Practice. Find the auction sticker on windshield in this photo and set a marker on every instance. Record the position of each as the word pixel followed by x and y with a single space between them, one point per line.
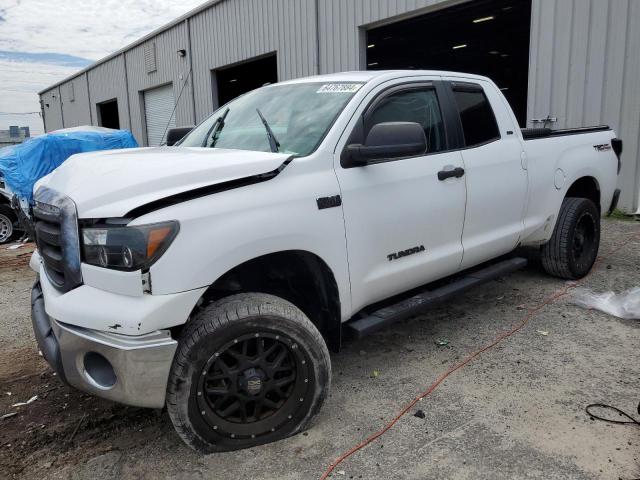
pixel 339 88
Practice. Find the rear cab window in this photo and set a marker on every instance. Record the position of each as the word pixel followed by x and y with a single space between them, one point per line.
pixel 477 118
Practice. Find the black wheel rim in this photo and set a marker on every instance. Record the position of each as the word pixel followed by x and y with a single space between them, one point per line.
pixel 253 385
pixel 584 237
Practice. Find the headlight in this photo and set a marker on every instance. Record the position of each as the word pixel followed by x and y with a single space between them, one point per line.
pixel 127 248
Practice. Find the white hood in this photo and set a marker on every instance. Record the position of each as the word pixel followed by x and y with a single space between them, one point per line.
pixel 111 183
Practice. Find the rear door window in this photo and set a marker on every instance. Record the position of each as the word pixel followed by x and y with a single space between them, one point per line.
pixel 476 115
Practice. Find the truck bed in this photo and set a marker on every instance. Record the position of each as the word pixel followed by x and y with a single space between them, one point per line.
pixel 536 133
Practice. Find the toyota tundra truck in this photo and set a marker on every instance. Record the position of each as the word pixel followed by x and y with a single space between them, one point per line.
pixel 213 276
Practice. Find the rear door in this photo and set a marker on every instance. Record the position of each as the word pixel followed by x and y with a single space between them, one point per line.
pixel 496 175
pixel 403 224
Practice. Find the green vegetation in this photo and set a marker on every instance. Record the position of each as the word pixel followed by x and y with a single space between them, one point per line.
pixel 618 214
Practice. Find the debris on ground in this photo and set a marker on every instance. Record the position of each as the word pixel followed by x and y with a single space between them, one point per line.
pixel 419 414
pixel 22 404
pixel 625 305
pixel 73 435
pixel 442 342
pixel 543 332
pixel 28 450
pixel 375 373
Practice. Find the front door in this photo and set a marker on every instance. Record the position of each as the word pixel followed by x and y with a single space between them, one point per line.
pixel 403 224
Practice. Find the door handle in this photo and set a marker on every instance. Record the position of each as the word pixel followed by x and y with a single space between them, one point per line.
pixel 456 172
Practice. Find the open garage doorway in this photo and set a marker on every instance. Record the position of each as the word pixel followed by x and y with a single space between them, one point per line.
pixel 108 114
pixel 487 37
pixel 238 79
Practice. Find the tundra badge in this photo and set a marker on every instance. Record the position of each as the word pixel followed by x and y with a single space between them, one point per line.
pixel 404 253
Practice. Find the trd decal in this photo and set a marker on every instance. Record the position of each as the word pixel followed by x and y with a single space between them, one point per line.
pixel 405 253
pixel 602 147
pixel 329 202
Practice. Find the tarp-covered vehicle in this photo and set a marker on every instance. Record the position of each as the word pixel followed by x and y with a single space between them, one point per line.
pixel 21 166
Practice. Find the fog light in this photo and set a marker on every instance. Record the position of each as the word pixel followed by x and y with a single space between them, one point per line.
pixel 99 370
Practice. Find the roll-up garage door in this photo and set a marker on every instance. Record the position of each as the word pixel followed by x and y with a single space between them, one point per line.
pixel 158 110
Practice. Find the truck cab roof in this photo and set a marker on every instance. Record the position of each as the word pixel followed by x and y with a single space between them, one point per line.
pixel 381 75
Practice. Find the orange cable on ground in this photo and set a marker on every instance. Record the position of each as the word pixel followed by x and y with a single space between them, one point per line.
pixel 548 301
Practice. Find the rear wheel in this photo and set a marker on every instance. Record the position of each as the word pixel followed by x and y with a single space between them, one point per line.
pixel 573 247
pixel 7 220
pixel 249 369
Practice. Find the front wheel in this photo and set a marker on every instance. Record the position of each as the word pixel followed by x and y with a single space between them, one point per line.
pixel 7 220
pixel 573 247
pixel 249 369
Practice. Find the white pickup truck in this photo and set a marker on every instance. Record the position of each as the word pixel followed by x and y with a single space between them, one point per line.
pixel 214 276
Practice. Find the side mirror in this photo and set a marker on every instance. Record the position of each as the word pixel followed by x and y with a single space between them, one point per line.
pixel 174 135
pixel 388 140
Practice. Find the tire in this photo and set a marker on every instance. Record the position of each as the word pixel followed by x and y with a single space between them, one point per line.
pixel 220 397
pixel 573 247
pixel 7 221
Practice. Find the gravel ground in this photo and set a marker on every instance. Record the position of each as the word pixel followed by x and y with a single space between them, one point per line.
pixel 517 411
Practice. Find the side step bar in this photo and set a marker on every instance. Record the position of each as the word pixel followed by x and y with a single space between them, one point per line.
pixel 411 306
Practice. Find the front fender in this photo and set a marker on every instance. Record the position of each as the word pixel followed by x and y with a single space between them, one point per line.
pixel 222 231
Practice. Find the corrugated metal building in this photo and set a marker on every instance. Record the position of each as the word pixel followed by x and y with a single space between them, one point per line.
pixel 583 63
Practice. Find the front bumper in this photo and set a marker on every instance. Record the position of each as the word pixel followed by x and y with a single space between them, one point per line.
pixel 128 369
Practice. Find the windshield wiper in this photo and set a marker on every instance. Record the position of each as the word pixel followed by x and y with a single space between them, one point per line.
pixel 274 144
pixel 215 129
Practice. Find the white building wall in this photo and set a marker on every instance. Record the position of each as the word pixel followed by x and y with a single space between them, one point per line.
pixel 74 103
pixel 342 24
pixel 108 81
pixel 233 31
pixel 584 60
pixel 51 109
pixel 584 69
pixel 170 68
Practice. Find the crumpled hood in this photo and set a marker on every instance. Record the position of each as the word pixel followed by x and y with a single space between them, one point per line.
pixel 112 183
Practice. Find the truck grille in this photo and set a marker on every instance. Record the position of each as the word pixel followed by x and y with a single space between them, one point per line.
pixel 56 227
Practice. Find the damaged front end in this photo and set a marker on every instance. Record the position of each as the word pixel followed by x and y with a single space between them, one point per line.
pixel 128 369
pixel 115 342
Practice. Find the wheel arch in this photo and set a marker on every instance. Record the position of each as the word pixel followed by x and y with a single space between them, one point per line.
pixel 586 187
pixel 299 276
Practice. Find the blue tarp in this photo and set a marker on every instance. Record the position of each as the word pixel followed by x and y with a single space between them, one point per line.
pixel 24 164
